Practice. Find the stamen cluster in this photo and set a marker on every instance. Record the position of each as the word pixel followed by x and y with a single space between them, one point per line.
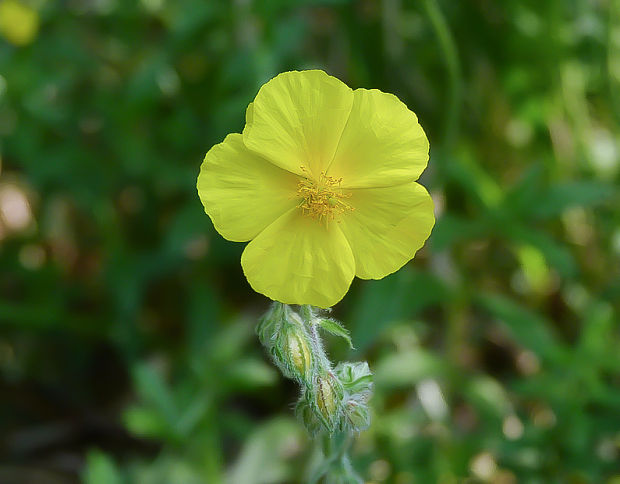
pixel 322 199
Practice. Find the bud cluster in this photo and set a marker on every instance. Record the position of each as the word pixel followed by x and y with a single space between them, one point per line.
pixel 332 399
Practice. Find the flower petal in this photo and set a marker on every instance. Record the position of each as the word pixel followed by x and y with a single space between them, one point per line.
pixel 297 118
pixel 387 227
pixel 298 260
pixel 382 145
pixel 241 191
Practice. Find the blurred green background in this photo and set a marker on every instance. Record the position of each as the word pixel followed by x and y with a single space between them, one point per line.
pixel 127 346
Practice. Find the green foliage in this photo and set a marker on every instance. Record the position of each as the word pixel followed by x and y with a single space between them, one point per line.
pixel 128 351
pixel 101 470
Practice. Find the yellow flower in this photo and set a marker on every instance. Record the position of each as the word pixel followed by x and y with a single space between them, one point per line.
pixel 18 22
pixel 322 184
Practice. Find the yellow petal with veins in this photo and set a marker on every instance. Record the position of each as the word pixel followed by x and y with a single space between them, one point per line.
pixel 297 118
pixel 386 227
pixel 297 260
pixel 382 145
pixel 241 191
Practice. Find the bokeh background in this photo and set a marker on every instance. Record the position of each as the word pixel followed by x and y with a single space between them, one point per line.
pixel 127 345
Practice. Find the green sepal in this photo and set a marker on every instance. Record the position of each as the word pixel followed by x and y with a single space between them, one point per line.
pixel 355 377
pixel 269 324
pixel 356 414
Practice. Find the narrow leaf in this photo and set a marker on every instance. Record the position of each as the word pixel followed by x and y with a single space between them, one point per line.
pixel 334 327
pixel 574 194
pixel 527 327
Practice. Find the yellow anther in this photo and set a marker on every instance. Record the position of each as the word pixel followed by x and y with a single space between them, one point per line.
pixel 323 198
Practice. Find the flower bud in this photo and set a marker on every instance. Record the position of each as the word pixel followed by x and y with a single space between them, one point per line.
pixel 328 394
pixel 308 416
pixel 292 353
pixel 291 348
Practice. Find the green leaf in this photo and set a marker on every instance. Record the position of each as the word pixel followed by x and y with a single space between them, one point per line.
pixel 154 390
pixel 192 415
pixel 563 196
pixel 266 454
pixel 395 297
pixel 406 368
pixel 488 396
pixel 526 192
pixel 145 422
pixel 556 254
pixel 250 373
pixel 451 229
pixel 528 328
pixel 101 469
pixel 475 180
pixel 597 343
pixel 334 327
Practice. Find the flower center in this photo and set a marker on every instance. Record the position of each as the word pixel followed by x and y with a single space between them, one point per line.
pixel 322 199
